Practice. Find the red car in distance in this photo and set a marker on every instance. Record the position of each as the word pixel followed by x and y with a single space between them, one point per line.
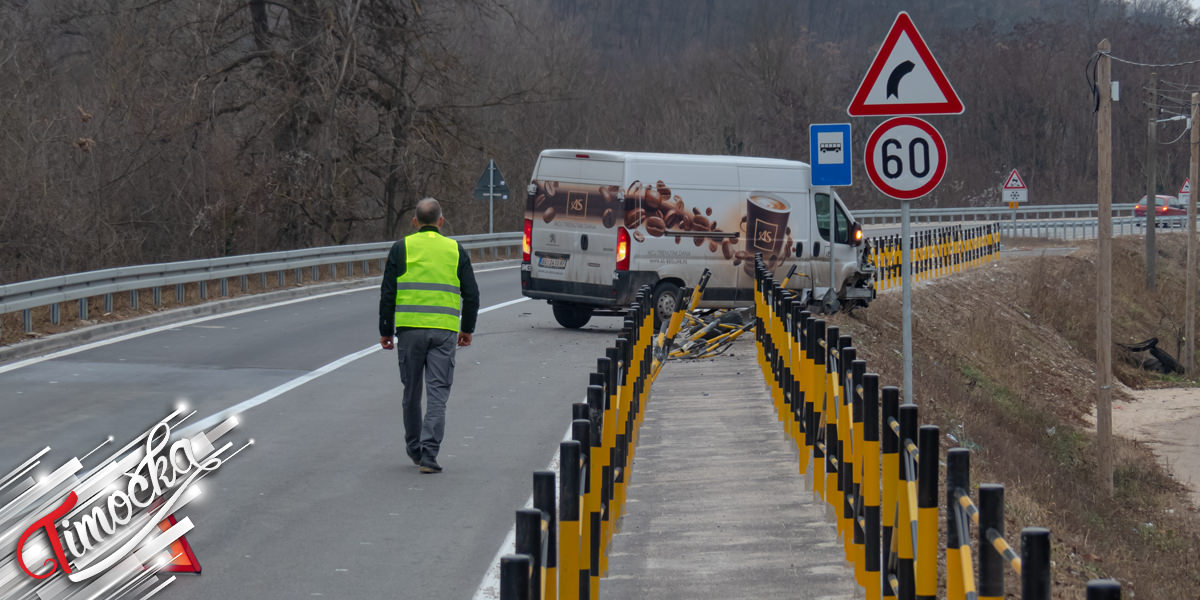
pixel 1164 205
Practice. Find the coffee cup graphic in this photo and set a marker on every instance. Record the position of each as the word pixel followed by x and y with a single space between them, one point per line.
pixel 766 224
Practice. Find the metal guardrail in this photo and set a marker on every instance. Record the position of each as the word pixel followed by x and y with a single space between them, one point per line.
pixel 990 213
pixel 51 291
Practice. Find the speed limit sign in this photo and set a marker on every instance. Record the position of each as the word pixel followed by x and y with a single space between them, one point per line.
pixel 906 158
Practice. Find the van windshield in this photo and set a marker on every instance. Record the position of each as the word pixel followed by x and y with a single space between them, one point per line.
pixel 841 221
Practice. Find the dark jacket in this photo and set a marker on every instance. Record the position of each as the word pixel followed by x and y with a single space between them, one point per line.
pixel 397 263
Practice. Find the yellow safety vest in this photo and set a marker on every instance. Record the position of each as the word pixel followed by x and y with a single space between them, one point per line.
pixel 427 294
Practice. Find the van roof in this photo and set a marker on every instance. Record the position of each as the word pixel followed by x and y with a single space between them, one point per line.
pixel 697 159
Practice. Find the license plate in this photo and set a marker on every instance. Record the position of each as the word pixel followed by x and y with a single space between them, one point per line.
pixel 553 261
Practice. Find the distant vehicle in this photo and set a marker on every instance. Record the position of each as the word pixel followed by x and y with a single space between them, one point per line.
pixel 1164 205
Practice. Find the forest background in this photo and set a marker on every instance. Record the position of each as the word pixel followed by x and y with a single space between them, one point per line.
pixel 139 131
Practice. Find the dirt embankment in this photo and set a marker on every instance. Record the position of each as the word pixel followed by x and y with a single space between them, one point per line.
pixel 1004 364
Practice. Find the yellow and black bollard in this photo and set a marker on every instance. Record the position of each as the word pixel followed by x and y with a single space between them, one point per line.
pixel 581 431
pixel 889 445
pixel 819 442
pixel 927 513
pixel 906 522
pixel 528 542
pixel 568 520
pixel 872 562
pixel 1035 563
pixel 514 577
pixel 991 526
pixel 960 576
pixel 543 500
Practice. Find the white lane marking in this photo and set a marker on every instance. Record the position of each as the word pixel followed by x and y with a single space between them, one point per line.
pixel 137 334
pixel 489 586
pixel 288 386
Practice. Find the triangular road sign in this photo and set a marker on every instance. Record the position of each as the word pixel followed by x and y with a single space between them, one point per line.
pixel 904 78
pixel 1014 181
pixel 183 560
pixel 1187 187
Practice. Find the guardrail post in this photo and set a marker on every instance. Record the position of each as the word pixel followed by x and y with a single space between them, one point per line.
pixel 333 270
pixel 203 290
pixel 299 273
pixel 157 293
pixel 245 281
pixel 543 500
pixel 927 513
pixel 279 277
pixel 1035 563
pixel 108 303
pixel 316 272
pixel 958 480
pixel 991 563
pixel 1103 589
pixel 27 320
pixel 224 287
pixel 83 306
pixel 529 543
pixel 514 577
pixel 180 293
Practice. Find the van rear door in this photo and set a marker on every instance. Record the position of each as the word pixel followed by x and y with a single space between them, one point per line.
pixel 575 212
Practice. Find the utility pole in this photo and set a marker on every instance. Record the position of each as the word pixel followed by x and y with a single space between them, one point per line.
pixel 1151 188
pixel 1104 441
pixel 1189 346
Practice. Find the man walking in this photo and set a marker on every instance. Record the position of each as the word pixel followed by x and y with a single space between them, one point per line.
pixel 430 301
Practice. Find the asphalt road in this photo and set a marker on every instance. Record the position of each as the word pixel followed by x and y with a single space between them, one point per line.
pixel 326 503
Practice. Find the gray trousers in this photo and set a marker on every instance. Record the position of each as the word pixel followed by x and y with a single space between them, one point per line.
pixel 426 356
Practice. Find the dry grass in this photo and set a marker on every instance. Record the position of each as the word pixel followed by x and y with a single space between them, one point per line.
pixel 1004 361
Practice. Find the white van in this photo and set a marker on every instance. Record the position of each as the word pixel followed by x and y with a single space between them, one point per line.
pixel 599 225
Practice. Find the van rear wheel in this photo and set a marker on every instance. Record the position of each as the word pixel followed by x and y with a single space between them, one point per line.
pixel 571 316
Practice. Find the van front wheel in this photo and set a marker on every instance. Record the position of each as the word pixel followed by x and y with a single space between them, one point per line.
pixel 571 316
pixel 666 301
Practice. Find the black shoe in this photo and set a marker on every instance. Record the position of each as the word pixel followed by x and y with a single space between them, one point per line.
pixel 429 465
pixel 414 456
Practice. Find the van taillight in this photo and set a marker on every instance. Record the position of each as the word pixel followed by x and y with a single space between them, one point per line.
pixel 622 249
pixel 527 240
pixel 856 234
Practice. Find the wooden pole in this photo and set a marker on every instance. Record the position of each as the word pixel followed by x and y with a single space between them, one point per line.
pixel 1151 187
pixel 1189 353
pixel 1104 442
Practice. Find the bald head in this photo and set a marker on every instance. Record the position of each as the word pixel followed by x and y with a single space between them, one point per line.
pixel 428 212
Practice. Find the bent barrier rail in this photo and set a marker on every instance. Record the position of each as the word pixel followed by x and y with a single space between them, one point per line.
pixel 561 551
pixel 51 291
pixel 935 253
pixel 878 470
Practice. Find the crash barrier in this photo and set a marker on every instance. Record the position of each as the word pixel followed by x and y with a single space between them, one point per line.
pixel 879 471
pixel 935 253
pixel 561 551
pixel 52 291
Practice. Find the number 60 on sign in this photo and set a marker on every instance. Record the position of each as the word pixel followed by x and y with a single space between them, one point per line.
pixel 905 158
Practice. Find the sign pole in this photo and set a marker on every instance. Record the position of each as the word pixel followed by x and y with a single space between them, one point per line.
pixel 1189 354
pixel 906 286
pixel 491 191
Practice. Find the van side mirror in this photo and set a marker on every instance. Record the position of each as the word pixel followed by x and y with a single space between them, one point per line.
pixel 799 249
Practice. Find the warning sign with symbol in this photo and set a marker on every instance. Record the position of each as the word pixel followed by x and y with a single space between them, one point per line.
pixel 1185 191
pixel 904 78
pixel 1015 191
